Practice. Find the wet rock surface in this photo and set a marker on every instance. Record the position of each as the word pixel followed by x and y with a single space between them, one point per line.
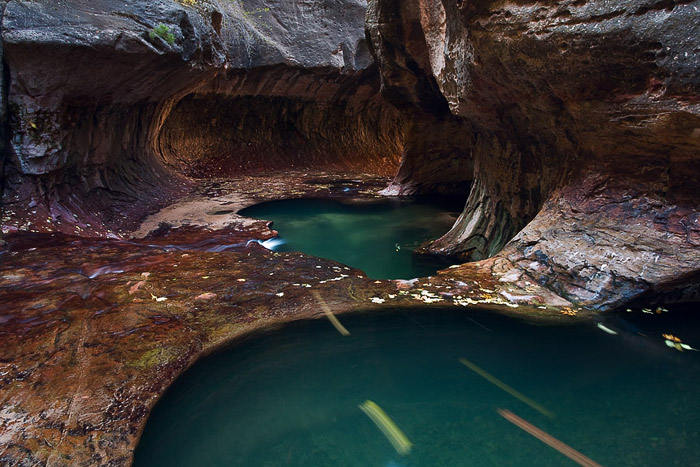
pixel 573 123
pixel 582 118
pixel 94 330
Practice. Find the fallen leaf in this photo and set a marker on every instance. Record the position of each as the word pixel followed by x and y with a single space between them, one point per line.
pixel 158 299
pixel 134 288
pixel 205 296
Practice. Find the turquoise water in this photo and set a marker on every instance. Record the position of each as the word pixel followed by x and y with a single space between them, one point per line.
pixel 290 398
pixel 378 238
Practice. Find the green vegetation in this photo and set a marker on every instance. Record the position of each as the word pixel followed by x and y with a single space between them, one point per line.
pixel 163 32
pixel 257 13
pixel 156 357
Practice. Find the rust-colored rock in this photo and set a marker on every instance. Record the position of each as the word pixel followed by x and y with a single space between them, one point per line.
pixel 577 120
pixel 94 330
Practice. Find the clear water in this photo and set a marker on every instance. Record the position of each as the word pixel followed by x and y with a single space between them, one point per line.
pixel 378 238
pixel 290 398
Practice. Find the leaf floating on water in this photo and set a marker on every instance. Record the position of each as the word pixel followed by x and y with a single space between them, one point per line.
pixel 675 343
pixel 387 426
pixel 548 439
pixel 671 337
pixel 329 314
pixel 606 329
pixel 500 384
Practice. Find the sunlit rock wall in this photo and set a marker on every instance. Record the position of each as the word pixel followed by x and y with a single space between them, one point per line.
pixel 341 125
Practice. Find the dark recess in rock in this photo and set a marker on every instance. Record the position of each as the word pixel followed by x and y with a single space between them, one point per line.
pixel 353 129
pixel 95 141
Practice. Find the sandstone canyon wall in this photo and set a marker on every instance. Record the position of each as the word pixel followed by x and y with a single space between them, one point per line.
pixel 578 120
pixel 105 115
pixel 583 120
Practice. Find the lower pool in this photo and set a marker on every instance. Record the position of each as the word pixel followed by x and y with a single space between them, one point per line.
pixel 378 238
pixel 447 380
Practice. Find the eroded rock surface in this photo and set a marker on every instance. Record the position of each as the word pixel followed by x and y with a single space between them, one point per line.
pixel 94 330
pixel 102 128
pixel 584 117
pixel 578 120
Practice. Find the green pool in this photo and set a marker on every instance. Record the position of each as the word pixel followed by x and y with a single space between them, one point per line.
pixel 292 397
pixel 378 238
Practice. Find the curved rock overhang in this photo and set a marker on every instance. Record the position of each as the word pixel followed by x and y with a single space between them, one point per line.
pixel 579 120
pixel 584 119
pixel 280 118
pixel 106 115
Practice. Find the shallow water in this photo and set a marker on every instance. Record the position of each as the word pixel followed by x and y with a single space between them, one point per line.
pixel 291 397
pixel 378 238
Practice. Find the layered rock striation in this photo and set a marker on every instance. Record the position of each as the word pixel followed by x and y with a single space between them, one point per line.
pixel 578 121
pixel 110 103
pixel 583 119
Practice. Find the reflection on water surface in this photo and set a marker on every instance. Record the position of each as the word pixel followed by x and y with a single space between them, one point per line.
pixel 378 238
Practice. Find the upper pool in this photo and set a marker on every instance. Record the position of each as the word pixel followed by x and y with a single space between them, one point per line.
pixel 378 238
pixel 457 386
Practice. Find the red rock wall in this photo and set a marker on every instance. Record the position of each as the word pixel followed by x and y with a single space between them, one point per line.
pixel 317 121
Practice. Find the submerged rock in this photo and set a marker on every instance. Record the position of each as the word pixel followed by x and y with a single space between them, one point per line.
pixel 94 330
